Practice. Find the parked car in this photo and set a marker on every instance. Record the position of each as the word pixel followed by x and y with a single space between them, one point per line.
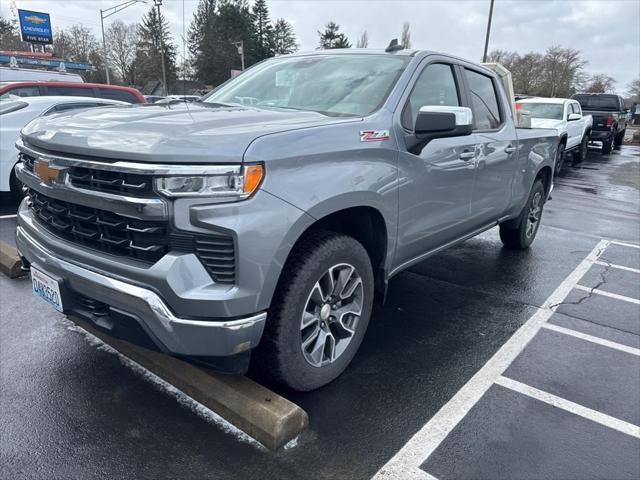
pixel 16 112
pixel 609 118
pixel 566 117
pixel 97 90
pixel 9 74
pixel 216 230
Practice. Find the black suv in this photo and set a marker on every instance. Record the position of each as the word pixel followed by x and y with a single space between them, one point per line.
pixel 609 117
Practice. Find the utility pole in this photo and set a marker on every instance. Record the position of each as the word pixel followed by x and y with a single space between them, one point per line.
pixel 486 40
pixel 240 46
pixel 107 12
pixel 164 72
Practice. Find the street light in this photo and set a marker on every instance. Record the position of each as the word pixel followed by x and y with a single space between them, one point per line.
pixel 240 46
pixel 106 13
pixel 486 40
pixel 164 72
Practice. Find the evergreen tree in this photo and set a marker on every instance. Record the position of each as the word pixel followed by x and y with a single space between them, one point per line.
pixel 263 47
pixel 332 38
pixel 200 39
pixel 153 34
pixel 283 40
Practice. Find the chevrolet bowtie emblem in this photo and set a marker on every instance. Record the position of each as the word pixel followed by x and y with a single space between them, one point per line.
pixel 44 172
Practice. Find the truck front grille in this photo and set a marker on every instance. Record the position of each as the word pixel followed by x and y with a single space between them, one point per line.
pixel 108 181
pixel 102 230
pixel 140 239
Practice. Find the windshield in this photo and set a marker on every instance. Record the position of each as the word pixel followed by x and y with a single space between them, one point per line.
pixel 598 102
pixel 340 85
pixel 552 111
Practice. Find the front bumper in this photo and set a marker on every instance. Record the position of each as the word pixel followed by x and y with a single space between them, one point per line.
pixel 120 303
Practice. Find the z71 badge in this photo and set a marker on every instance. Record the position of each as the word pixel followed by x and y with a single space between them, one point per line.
pixel 373 135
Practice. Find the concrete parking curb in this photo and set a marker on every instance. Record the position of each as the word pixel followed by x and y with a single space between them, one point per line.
pixel 10 261
pixel 262 414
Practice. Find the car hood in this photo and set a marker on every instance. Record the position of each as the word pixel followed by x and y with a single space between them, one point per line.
pixel 166 134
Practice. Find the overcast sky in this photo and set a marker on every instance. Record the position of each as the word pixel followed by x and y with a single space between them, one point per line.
pixel 606 31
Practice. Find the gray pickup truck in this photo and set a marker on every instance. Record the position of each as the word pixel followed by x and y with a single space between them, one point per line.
pixel 261 223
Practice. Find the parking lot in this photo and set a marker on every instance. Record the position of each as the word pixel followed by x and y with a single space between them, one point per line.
pixel 483 363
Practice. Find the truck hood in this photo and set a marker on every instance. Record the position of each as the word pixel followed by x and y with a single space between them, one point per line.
pixel 546 123
pixel 177 133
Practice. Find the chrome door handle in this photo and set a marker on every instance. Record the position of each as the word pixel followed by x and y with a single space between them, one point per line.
pixel 509 149
pixel 467 155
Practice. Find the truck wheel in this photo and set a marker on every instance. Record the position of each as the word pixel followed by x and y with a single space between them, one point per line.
pixel 580 154
pixel 619 139
pixel 559 159
pixel 521 234
pixel 607 145
pixel 319 314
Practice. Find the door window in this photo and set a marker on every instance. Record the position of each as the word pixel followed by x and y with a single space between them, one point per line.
pixel 484 101
pixel 576 108
pixel 114 94
pixel 435 86
pixel 73 91
pixel 23 92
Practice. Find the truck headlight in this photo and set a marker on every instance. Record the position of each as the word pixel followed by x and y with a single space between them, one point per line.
pixel 232 183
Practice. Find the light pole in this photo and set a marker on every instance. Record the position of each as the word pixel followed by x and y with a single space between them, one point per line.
pixel 106 13
pixel 164 72
pixel 240 46
pixel 486 40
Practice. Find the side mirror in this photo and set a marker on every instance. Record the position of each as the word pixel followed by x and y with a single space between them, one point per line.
pixel 439 121
pixel 573 116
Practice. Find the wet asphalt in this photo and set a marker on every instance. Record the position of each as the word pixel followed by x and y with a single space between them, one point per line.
pixel 71 410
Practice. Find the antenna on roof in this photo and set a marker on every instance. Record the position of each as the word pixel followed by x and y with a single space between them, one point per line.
pixel 394 46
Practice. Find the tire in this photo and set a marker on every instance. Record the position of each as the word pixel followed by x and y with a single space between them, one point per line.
pixel 519 235
pixel 301 299
pixel 580 154
pixel 619 139
pixel 607 145
pixel 559 159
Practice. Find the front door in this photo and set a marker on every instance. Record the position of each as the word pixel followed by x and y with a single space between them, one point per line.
pixel 436 181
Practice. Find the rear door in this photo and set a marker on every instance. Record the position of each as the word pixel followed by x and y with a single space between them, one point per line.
pixel 574 127
pixel 497 147
pixel 435 181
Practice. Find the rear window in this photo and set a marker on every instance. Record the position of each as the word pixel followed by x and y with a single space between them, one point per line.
pixel 66 91
pixel 598 102
pixel 22 92
pixel 122 95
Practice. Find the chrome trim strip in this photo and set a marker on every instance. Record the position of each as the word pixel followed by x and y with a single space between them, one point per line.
pixel 130 167
pixel 133 207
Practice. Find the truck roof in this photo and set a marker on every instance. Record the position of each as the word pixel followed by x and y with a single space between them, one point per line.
pixel 544 100
pixel 364 51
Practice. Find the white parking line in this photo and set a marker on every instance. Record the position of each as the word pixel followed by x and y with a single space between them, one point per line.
pixel 2 217
pixel 619 267
pixel 597 291
pixel 575 408
pixel 592 339
pixel 405 464
pixel 625 244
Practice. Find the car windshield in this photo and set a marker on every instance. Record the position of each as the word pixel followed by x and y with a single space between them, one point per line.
pixel 552 111
pixel 598 102
pixel 338 85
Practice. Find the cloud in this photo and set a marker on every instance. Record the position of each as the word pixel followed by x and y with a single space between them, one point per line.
pixel 607 32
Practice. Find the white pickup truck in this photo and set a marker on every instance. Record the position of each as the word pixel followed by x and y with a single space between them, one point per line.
pixel 565 115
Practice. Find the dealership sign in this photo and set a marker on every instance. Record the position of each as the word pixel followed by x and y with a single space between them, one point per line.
pixel 35 27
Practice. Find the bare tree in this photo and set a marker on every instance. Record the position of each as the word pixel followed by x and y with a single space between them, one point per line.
pixel 600 83
pixel 563 71
pixel 121 42
pixel 634 90
pixel 406 35
pixel 363 41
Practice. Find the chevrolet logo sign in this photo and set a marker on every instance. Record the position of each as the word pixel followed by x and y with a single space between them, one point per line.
pixel 44 172
pixel 35 19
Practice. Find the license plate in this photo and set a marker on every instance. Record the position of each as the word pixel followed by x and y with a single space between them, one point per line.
pixel 47 288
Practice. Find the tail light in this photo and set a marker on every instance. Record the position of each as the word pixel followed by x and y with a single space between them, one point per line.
pixel 609 121
pixel 518 106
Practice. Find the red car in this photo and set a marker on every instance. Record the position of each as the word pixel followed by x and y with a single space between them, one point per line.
pixel 96 90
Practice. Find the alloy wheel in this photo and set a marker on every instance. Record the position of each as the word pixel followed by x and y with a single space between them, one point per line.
pixel 331 314
pixel 535 212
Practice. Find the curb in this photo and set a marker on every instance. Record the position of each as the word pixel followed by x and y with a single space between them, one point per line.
pixel 262 414
pixel 10 261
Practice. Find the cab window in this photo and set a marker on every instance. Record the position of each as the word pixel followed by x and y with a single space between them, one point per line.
pixel 484 101
pixel 73 91
pixel 23 92
pixel 436 85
